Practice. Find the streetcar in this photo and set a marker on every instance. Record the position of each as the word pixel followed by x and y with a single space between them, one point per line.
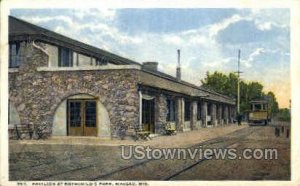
pixel 260 113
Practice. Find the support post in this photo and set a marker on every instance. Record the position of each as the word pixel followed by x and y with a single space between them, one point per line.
pixel 226 114
pixel 214 114
pixel 179 114
pixel 194 115
pixel 204 113
pixel 220 110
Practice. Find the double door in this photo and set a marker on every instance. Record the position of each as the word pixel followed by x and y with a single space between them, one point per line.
pixel 82 118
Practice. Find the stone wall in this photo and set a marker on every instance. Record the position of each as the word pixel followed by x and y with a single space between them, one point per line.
pixel 161 113
pixel 37 94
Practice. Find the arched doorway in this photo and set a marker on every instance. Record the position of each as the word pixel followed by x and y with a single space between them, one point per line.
pixel 81 115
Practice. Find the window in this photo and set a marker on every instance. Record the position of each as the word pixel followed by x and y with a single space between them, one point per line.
pixel 187 111
pixel 266 107
pixel 14 55
pixel 65 57
pixel 90 113
pixel 102 61
pixel 199 110
pixel 171 110
pixel 75 114
pixel 257 107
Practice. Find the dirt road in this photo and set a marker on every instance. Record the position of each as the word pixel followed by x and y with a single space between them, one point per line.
pixel 80 162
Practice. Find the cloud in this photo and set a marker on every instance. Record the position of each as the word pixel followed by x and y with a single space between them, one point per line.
pixel 252 57
pixel 216 28
pixel 218 64
pixel 45 19
pixel 173 39
pixel 276 17
pixel 262 36
pixel 104 14
pixel 264 26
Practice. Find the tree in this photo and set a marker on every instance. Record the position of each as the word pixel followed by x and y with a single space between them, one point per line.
pixel 284 115
pixel 227 85
pixel 216 82
pixel 273 102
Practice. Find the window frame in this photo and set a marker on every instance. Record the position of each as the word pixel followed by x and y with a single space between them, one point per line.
pixel 14 59
pixel 62 63
pixel 101 61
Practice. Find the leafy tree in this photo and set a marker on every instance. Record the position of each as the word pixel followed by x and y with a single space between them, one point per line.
pixel 273 102
pixel 227 85
pixel 216 81
pixel 284 115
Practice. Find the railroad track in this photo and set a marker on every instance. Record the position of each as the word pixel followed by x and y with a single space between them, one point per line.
pixel 219 140
pixel 209 142
pixel 143 163
pixel 177 173
pixel 186 168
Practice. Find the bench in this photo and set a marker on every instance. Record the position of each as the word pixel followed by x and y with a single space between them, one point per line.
pixel 142 134
pixel 20 131
pixel 170 128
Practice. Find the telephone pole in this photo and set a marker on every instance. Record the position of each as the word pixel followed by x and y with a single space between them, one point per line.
pixel 238 83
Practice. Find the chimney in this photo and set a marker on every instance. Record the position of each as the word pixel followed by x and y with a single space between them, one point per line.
pixel 150 65
pixel 178 69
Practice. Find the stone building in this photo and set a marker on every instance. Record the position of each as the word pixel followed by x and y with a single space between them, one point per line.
pixel 64 87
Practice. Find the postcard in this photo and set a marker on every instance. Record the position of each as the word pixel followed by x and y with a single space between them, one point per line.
pixel 98 93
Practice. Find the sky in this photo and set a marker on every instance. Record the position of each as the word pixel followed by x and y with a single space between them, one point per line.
pixel 209 39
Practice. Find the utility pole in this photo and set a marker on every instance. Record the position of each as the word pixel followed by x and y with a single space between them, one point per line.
pixel 238 83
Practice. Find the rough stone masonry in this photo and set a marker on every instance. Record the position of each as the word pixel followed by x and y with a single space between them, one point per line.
pixel 37 94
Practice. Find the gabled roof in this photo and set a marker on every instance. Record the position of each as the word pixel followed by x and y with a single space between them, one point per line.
pixel 20 30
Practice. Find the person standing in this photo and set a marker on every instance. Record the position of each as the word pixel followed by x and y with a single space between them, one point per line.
pixel 239 118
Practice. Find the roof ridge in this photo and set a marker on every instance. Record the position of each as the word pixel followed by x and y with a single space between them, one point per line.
pixel 46 32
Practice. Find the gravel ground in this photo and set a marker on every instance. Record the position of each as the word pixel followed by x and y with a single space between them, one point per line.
pixel 248 169
pixel 89 159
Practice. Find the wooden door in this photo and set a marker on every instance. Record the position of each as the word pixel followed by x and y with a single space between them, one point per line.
pixel 82 118
pixel 148 115
pixel 75 118
pixel 90 118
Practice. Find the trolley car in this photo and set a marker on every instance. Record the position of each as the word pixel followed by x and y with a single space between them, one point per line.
pixel 260 113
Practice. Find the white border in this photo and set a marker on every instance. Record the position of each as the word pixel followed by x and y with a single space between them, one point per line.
pixel 293 5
